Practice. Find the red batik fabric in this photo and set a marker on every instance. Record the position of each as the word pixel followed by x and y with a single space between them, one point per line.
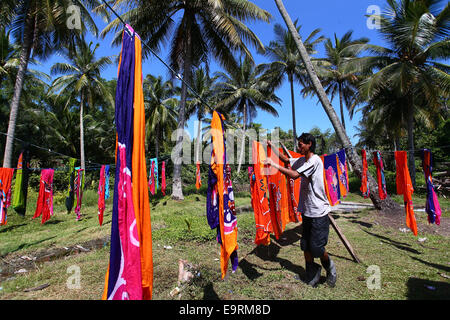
pixel 260 201
pixel 365 190
pixel 6 175
pixel 405 187
pixel 44 205
pixel 163 178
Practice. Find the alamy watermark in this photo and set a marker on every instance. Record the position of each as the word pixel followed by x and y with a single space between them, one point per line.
pixel 74 280
pixel 74 19
pixel 373 20
pixel 373 282
pixel 238 145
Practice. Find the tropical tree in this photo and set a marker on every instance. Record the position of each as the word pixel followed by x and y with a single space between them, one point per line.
pixel 205 28
pixel 353 157
pixel 81 77
pixel 160 110
pixel 287 61
pixel 417 34
pixel 41 28
pixel 337 75
pixel 201 103
pixel 245 90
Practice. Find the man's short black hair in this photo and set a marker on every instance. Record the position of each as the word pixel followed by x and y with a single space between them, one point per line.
pixel 307 138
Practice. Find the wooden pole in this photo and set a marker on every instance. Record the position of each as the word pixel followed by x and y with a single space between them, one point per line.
pixel 343 239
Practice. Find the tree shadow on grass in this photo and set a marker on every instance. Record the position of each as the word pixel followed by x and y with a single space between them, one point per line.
pixel 400 245
pixel 26 245
pixel 6 229
pixel 352 219
pixel 433 265
pixel 421 289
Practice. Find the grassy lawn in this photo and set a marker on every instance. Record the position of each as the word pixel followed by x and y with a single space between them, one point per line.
pixel 408 268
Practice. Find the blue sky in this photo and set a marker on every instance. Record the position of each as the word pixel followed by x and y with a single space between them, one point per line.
pixel 331 16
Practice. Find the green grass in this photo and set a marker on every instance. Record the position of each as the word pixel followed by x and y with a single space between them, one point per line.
pixel 408 267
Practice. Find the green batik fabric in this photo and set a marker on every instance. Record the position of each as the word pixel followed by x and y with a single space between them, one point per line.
pixel 70 199
pixel 19 199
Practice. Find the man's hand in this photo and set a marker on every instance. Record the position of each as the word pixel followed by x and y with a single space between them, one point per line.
pixel 268 162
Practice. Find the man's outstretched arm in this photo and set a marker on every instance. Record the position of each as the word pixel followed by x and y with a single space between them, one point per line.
pixel 288 172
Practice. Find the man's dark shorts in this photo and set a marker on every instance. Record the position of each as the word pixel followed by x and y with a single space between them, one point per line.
pixel 315 235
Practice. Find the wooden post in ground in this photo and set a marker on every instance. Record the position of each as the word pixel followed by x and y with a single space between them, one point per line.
pixel 333 223
pixel 343 239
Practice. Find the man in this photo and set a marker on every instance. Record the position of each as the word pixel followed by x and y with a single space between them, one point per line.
pixel 314 206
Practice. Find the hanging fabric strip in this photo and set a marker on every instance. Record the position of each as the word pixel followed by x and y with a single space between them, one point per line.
pixel 285 199
pixel 330 166
pixel 432 206
pixel 163 178
pixel 78 189
pixel 378 161
pixel 342 173
pixel 198 178
pixel 365 190
pixel 139 178
pixel 404 187
pixel 154 176
pixel 274 187
pixel 19 201
pixel 44 205
pixel 70 190
pixel 151 180
pixel 294 188
pixel 101 195
pixel 260 200
pixel 124 279
pixel 219 212
pixel 6 175
pixel 107 182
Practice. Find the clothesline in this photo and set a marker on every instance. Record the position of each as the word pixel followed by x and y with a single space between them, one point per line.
pixel 94 167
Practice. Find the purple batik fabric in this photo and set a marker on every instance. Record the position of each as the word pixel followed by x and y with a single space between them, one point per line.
pixel 124 126
pixel 432 206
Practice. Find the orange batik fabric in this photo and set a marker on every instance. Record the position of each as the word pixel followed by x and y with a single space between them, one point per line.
pixel 260 201
pixel 405 187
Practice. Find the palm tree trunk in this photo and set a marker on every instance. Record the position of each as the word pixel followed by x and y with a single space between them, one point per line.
pixel 388 204
pixel 294 132
pixel 411 163
pixel 241 154
pixel 14 111
pixel 157 141
pixel 83 160
pixel 177 191
pixel 341 104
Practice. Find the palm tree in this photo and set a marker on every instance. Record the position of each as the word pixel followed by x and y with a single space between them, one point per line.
pixel 40 26
pixel 81 77
pixel 354 159
pixel 244 90
pixel 417 36
pixel 337 75
pixel 205 27
pixel 287 61
pixel 202 103
pixel 160 109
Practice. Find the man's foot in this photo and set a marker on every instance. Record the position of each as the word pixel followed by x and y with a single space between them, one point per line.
pixel 312 273
pixel 331 274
